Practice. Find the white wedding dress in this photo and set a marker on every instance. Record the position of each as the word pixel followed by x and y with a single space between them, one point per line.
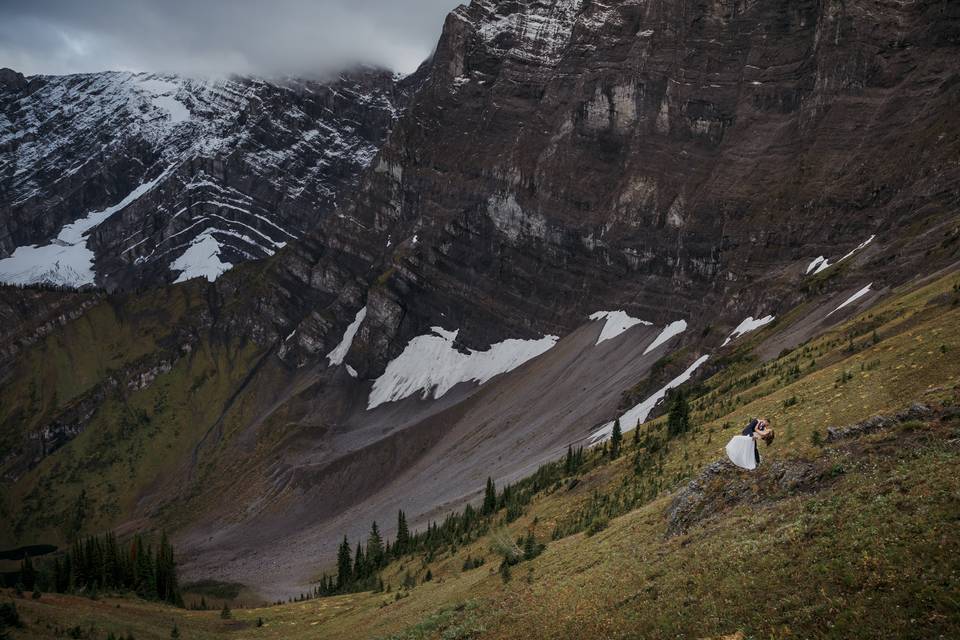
pixel 740 450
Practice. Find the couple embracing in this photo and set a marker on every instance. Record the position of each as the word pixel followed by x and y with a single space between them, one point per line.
pixel 742 449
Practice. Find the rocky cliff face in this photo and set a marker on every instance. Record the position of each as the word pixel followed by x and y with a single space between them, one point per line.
pixel 697 167
pixel 668 158
pixel 136 179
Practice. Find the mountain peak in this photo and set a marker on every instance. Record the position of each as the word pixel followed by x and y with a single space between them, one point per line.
pixel 11 79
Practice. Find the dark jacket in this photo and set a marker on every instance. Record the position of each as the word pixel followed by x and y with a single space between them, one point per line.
pixel 748 431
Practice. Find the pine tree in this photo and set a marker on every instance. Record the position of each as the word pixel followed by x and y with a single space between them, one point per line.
pixel 143 580
pixel 375 548
pixel 344 566
pixel 490 498
pixel 568 461
pixel 402 544
pixel 616 439
pixel 678 421
pixel 225 612
pixel 359 564
pixel 529 547
pixel 636 435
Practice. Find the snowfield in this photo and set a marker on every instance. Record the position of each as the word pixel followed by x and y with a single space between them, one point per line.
pixel 201 259
pixel 852 299
pixel 162 94
pixel 66 260
pixel 671 330
pixel 616 323
pixel 748 325
pixel 432 364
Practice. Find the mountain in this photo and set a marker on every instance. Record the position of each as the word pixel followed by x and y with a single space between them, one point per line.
pixel 132 179
pixel 849 516
pixel 581 206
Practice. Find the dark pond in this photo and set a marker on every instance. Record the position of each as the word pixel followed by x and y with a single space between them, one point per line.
pixel 32 550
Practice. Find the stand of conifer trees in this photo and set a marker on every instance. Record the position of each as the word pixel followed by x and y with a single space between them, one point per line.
pixel 102 564
pixel 359 570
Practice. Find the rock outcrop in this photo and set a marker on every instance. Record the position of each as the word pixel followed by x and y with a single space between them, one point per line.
pixel 916 411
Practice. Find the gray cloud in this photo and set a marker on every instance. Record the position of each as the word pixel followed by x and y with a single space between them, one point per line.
pixel 217 36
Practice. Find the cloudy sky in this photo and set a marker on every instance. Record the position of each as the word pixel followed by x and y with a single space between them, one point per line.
pixel 265 37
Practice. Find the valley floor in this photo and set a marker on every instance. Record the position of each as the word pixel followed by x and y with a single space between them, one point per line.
pixel 862 544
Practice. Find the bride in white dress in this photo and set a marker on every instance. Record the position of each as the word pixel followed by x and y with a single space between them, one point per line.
pixel 742 449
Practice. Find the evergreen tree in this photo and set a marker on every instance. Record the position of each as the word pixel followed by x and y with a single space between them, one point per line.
pixel 375 548
pixel 568 461
pixel 529 546
pixel 143 580
pixel 402 543
pixel 344 566
pixel 225 612
pixel 616 439
pixel 165 574
pixel 489 498
pixel 636 435
pixel 678 420
pixel 359 564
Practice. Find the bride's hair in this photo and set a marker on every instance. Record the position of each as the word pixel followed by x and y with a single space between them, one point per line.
pixel 768 437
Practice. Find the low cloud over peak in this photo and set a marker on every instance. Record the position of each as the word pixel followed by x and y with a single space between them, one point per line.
pixel 281 37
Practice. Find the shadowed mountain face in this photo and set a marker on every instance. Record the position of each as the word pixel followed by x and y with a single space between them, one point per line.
pixel 670 159
pixel 699 167
pixel 138 179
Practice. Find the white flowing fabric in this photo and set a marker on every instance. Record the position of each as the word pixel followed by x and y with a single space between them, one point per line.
pixel 740 451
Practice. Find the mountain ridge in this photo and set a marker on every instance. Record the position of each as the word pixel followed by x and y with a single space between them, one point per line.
pixel 231 168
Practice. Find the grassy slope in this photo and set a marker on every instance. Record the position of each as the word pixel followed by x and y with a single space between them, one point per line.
pixel 872 554
pixel 137 437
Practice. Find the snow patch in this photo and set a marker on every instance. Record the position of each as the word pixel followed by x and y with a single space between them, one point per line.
pixel 638 414
pixel 747 326
pixel 673 329
pixel 432 363
pixel 201 259
pixel 161 94
pixel 340 351
pixel 66 260
pixel 820 263
pixel 616 323
pixel 540 31
pixel 857 248
pixel 852 299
